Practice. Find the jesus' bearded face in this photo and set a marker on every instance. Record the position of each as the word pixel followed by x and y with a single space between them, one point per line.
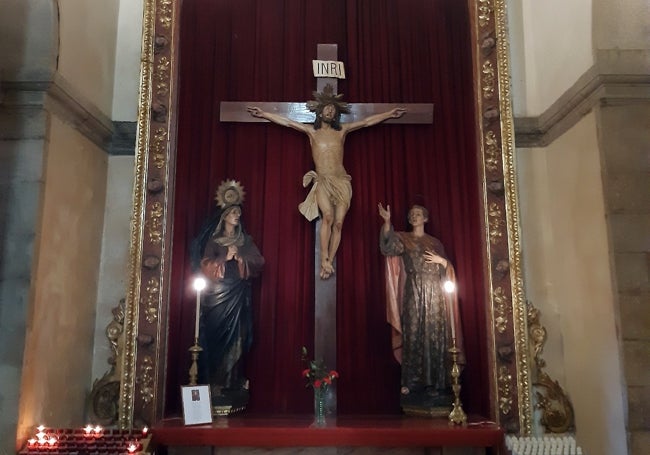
pixel 329 113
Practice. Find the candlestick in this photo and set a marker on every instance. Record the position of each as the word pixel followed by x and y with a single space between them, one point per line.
pixel 457 416
pixel 199 285
pixel 194 368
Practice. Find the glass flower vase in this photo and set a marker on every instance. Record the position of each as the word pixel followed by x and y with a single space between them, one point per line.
pixel 319 406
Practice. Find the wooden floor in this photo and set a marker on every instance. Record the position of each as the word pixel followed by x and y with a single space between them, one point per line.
pixel 298 431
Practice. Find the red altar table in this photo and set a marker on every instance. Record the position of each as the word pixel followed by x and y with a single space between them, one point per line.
pixel 343 431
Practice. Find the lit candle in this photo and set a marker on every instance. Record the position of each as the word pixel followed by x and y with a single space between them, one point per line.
pixel 199 285
pixel 41 436
pixel 132 448
pixel 145 430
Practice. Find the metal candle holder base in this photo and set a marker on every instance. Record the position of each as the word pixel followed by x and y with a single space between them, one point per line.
pixel 457 416
pixel 194 368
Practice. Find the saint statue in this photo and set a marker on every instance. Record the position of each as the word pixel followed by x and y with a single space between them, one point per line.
pixel 331 190
pixel 423 316
pixel 229 259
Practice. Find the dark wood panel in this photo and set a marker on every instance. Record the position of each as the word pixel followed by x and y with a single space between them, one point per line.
pixel 235 111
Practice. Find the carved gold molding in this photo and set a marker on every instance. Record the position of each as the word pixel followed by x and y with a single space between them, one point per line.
pixel 511 388
pixel 159 146
pixel 146 312
pixel 557 415
pixel 487 71
pixel 149 303
pixel 103 402
pixel 135 259
pixel 512 217
pixel 484 12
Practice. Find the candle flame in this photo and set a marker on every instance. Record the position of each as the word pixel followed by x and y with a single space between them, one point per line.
pixel 449 286
pixel 199 284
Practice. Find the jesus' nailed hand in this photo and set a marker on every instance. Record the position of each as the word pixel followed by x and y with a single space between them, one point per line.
pixel 331 190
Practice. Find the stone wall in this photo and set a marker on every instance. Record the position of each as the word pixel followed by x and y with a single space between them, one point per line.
pixel 615 93
pixel 625 149
pixel 22 149
pixel 24 63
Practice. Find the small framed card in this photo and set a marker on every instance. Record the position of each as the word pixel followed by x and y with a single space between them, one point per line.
pixel 197 407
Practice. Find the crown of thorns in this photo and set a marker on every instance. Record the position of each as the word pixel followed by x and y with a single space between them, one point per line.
pixel 327 97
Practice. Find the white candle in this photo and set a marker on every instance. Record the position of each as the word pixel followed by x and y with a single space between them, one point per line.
pixel 449 288
pixel 199 285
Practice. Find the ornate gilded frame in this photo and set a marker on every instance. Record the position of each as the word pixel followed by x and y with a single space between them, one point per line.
pixel 142 382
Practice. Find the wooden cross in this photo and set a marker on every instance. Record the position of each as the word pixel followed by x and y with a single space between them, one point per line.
pixel 235 111
pixel 325 292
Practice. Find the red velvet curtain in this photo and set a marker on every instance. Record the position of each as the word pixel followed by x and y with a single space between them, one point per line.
pixel 397 51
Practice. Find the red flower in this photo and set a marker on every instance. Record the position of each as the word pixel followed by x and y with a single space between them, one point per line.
pixel 317 374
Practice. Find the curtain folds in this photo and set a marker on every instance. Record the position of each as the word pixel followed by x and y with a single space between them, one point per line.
pixel 397 51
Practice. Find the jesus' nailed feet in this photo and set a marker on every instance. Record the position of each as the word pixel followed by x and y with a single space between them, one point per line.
pixel 326 269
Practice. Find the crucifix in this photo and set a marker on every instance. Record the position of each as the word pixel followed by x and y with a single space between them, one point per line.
pixel 331 190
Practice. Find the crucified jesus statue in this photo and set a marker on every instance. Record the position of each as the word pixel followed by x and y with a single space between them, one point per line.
pixel 331 190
